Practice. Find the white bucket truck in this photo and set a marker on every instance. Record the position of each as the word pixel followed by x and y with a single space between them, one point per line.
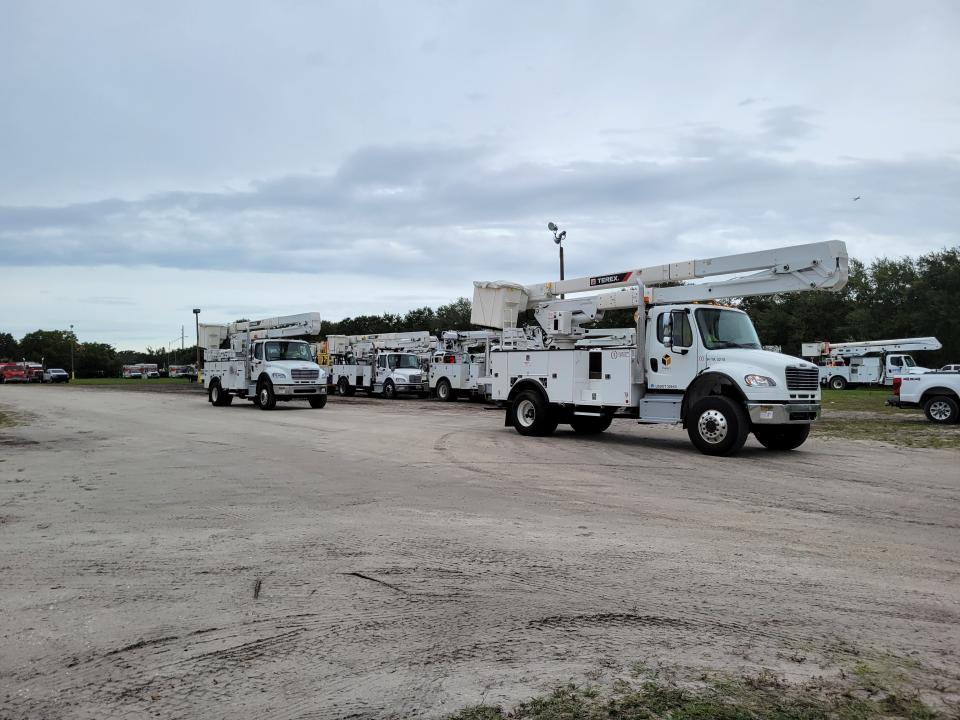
pixel 700 365
pixel 387 363
pixel 872 362
pixel 264 362
pixel 459 366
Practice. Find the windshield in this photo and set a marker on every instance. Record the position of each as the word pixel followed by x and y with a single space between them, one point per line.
pixel 721 328
pixel 287 350
pixel 403 361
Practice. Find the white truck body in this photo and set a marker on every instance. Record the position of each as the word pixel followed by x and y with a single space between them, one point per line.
pixel 699 365
pixel 870 362
pixel 385 363
pixel 140 370
pixel 459 367
pixel 936 392
pixel 182 371
pixel 264 364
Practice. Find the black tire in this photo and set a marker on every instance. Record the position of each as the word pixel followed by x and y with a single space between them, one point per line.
pixel 532 415
pixel 445 391
pixel 941 409
pixel 585 425
pixel 838 382
pixel 781 437
pixel 343 387
pixel 718 425
pixel 389 390
pixel 215 394
pixel 318 402
pixel 266 400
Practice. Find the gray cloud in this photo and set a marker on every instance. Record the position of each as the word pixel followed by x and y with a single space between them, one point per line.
pixel 418 210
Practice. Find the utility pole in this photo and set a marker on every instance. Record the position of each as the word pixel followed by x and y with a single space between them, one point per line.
pixel 196 315
pixel 72 374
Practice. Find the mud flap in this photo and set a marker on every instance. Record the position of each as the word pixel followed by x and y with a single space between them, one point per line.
pixel 508 416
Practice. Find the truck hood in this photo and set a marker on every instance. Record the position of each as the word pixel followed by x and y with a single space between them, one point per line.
pixel 287 365
pixel 405 373
pixel 740 362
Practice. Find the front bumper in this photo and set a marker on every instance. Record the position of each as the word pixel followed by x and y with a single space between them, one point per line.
pixel 299 390
pixel 412 388
pixel 783 413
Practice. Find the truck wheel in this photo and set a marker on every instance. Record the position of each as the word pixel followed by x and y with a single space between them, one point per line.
pixel 343 387
pixel 838 383
pixel 318 402
pixel 941 409
pixel 585 425
pixel 444 391
pixel 266 400
pixel 215 394
pixel 389 391
pixel 718 425
pixel 781 437
pixel 532 415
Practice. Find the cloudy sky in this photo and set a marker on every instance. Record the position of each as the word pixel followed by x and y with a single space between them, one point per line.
pixel 254 159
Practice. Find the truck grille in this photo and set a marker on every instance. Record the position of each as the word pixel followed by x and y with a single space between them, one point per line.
pixel 301 374
pixel 803 378
pixel 416 379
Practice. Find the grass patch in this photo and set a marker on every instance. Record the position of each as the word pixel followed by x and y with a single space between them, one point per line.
pixel 761 697
pixel 12 418
pixel 907 432
pixel 131 382
pixel 8 419
pixel 862 415
pixel 858 400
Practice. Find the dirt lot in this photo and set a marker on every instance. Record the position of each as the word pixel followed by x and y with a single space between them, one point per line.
pixel 164 558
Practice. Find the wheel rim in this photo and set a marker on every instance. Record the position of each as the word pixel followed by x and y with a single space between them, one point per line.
pixel 388 390
pixel 215 394
pixel 940 410
pixel 443 391
pixel 264 396
pixel 526 413
pixel 712 426
pixel 837 383
pixel 342 386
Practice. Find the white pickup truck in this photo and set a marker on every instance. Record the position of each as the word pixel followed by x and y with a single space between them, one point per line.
pixel 938 393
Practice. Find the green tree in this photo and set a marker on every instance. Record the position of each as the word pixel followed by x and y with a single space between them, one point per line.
pixel 9 347
pixel 454 316
pixel 97 360
pixel 52 347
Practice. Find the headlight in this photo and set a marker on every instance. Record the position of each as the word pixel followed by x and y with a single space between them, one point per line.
pixel 760 381
pixel 278 375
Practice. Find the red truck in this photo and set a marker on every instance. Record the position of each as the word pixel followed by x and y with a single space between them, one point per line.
pixel 11 372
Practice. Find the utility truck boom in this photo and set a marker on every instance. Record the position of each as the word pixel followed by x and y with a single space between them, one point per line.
pixel 701 365
pixel 263 363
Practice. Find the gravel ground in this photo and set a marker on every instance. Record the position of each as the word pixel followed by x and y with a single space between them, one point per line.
pixel 165 558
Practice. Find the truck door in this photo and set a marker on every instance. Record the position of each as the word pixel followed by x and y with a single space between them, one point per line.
pixel 383 372
pixel 672 350
pixel 256 362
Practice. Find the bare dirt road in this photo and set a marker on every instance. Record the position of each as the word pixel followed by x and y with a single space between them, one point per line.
pixel 164 558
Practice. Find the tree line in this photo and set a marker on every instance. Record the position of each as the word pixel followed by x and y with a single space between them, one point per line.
pixel 906 297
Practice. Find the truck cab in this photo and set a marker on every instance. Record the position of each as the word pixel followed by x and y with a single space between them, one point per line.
pixel 398 372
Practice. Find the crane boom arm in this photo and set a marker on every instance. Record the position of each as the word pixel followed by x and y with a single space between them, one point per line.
pixel 794 268
pixel 853 349
pixel 797 268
